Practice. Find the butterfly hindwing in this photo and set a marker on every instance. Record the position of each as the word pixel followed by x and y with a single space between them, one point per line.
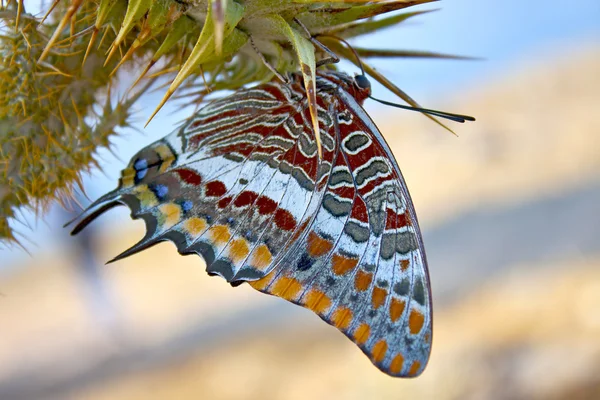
pixel 236 184
pixel 361 265
pixel 399 313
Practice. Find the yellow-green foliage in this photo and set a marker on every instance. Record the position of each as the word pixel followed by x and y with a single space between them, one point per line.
pixel 55 105
pixel 48 131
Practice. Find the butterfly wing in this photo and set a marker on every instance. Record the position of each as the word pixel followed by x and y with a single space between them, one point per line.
pixel 236 184
pixel 361 265
pixel 241 185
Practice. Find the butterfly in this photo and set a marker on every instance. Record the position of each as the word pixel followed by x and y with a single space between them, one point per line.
pixel 241 184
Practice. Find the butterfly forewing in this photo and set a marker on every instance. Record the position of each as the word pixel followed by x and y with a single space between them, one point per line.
pixel 241 184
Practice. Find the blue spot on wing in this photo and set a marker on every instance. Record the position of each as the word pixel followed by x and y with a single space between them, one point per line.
pixel 160 191
pixel 141 167
pixel 141 174
pixel 140 163
pixel 186 206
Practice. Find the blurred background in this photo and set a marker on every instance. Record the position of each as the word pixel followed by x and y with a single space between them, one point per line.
pixel 510 212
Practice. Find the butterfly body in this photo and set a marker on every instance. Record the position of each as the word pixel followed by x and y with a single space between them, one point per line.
pixel 241 183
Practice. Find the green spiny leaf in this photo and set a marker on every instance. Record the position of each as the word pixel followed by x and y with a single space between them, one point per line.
pixel 369 26
pixel 204 48
pixel 305 52
pixel 135 10
pixel 317 22
pixel 385 53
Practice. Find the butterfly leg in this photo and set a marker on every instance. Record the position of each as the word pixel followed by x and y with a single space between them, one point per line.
pixel 332 59
pixel 267 64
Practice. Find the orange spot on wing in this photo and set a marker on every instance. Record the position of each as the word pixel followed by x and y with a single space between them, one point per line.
pixel 166 156
pixel 397 364
pixel 379 350
pixel 396 309
pixel 127 181
pixel 195 226
pixel 414 369
pixel 127 177
pixel 317 246
pixel 219 234
pixel 342 317
pixel 427 338
pixel 362 333
pixel 341 264
pixel 415 321
pixel 170 215
pixel 145 196
pixel 363 280
pixel 404 264
pixel 263 282
pixel 317 301
pixel 287 288
pixel 261 257
pixel 378 297
pixel 238 250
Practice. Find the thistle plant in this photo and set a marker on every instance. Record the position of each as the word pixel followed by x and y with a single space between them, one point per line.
pixel 57 71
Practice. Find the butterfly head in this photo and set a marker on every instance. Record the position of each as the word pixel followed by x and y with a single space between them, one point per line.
pixel 360 88
pixel 362 83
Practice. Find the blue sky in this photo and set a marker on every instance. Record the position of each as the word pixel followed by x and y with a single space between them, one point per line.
pixel 500 32
pixel 505 34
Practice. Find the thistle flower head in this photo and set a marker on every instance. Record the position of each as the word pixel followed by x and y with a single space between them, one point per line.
pixel 55 72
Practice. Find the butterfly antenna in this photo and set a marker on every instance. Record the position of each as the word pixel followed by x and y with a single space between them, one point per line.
pixel 453 117
pixel 349 46
pixel 267 63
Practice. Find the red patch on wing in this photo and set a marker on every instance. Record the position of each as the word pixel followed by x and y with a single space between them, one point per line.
pixel 359 211
pixel 189 176
pixel 215 189
pixel 395 221
pixel 265 205
pixel 284 219
pixel 224 202
pixel 245 198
